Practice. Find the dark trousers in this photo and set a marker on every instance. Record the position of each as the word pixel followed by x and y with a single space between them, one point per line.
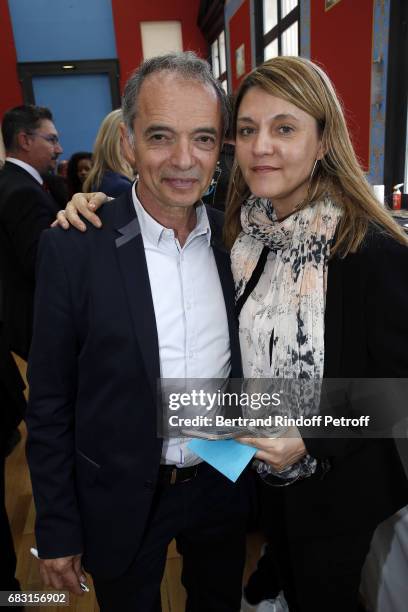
pixel 208 516
pixel 12 405
pixel 316 572
pixel 8 582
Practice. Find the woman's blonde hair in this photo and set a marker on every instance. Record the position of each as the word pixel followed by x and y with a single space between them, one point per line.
pixel 338 174
pixel 107 152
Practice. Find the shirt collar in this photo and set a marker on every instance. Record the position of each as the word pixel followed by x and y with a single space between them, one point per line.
pixel 153 230
pixel 34 173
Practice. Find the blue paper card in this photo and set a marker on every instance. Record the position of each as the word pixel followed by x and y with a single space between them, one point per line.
pixel 227 456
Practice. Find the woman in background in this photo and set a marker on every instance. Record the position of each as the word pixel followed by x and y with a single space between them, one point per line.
pixel 78 169
pixel 111 173
pixel 321 275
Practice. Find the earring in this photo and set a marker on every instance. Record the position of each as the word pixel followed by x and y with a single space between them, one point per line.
pixel 313 169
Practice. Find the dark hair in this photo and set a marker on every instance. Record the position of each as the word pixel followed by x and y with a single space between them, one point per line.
pixel 74 183
pixel 186 64
pixel 24 118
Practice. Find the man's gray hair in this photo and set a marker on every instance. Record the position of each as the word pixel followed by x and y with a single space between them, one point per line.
pixel 185 64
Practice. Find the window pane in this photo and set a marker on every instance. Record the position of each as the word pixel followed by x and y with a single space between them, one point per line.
pixel 290 38
pixel 271 50
pixel 270 14
pixel 223 63
pixel 215 59
pixel 287 6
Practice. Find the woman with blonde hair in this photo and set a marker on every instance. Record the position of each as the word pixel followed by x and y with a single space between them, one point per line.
pixel 321 277
pixel 110 173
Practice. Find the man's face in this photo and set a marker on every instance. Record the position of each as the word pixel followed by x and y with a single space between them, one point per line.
pixel 44 147
pixel 177 137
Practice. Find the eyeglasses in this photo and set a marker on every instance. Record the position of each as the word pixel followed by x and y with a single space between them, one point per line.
pixel 51 138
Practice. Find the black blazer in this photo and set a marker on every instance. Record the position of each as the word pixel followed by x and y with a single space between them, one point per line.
pixel 92 447
pixel 25 210
pixel 366 336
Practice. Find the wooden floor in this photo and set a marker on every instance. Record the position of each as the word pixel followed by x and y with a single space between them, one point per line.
pixel 21 512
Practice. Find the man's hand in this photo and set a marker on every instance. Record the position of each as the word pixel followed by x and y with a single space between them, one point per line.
pixel 85 204
pixel 280 453
pixel 63 573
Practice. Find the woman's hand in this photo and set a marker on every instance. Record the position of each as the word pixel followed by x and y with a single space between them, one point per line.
pixel 280 453
pixel 84 204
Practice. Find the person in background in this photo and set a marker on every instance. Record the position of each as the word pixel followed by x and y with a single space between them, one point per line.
pixel 26 208
pixel 79 167
pixel 62 168
pixel 111 173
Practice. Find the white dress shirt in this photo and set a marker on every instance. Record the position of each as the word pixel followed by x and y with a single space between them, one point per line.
pixel 189 307
pixel 34 173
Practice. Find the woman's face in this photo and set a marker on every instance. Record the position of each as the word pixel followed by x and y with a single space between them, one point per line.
pixel 276 147
pixel 83 168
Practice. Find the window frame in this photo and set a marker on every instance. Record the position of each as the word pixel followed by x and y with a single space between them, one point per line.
pixel 222 76
pixel 263 40
pixel 396 119
pixel 28 70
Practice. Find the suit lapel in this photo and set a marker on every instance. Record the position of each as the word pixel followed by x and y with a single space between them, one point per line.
pixel 135 276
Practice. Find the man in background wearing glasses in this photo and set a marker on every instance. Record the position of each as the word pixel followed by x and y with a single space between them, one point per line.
pixel 26 208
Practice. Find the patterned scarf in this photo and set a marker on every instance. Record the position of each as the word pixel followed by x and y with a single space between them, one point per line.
pixel 300 248
pixel 287 307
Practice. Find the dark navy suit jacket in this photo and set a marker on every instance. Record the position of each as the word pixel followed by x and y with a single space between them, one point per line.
pixel 92 448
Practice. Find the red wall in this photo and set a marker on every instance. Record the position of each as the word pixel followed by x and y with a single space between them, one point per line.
pixel 341 41
pixel 10 87
pixel 127 15
pixel 240 32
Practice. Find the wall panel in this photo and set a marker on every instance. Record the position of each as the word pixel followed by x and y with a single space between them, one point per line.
pixel 127 16
pixel 341 41
pixel 10 92
pixel 239 26
pixel 52 30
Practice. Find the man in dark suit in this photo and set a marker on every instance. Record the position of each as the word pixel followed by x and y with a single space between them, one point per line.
pixel 149 295
pixel 32 147
pixel 26 208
